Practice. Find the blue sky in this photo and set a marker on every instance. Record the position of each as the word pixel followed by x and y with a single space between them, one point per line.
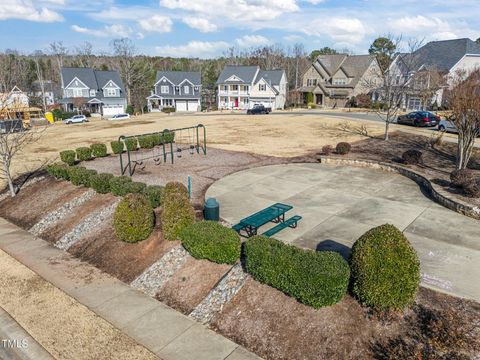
pixel 206 28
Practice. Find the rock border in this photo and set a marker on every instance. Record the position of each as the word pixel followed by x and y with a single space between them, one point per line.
pixel 438 194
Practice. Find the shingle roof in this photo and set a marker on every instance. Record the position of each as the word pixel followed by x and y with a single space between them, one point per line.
pixel 330 63
pixel 245 73
pixel 176 77
pixel 103 77
pixel 272 76
pixel 94 79
pixel 356 65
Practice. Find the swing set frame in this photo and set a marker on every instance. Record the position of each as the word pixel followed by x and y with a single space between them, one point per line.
pixel 166 148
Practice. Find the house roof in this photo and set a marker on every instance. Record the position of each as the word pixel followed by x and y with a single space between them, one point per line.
pixel 275 76
pixel 176 77
pixel 330 63
pixel 94 79
pixel 245 73
pixel 103 77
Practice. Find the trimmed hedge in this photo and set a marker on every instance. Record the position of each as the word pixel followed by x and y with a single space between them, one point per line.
pixel 99 150
pixel 212 241
pixel 131 144
pixel 118 185
pixel 412 157
pixel 68 157
pixel 178 212
pixel 59 171
pixel 315 278
pixel 146 141
pixel 154 195
pixel 101 183
pixel 84 153
pixel 385 269
pixel 79 175
pixel 168 136
pixel 133 219
pixel 117 147
pixel 343 148
pixel 135 187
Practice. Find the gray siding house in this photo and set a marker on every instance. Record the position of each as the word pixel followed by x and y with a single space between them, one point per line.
pixel 176 89
pixel 100 92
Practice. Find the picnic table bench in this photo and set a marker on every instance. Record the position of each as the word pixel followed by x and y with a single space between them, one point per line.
pixel 274 213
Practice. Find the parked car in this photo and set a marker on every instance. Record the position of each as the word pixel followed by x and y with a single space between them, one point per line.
pixel 76 119
pixel 419 118
pixel 11 126
pixel 259 109
pixel 449 126
pixel 120 117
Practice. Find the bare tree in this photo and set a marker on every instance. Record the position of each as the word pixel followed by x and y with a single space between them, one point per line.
pixel 41 81
pixel 464 100
pixel 58 50
pixel 124 51
pixel 12 142
pixel 85 54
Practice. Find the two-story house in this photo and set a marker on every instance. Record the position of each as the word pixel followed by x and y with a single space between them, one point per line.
pixel 43 89
pixel 100 92
pixel 176 89
pixel 435 64
pixel 241 87
pixel 332 80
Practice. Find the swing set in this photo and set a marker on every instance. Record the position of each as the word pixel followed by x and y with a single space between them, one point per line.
pixel 164 144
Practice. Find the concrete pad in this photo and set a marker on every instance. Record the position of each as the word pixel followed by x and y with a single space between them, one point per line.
pixel 241 353
pixel 98 291
pixel 198 343
pixel 236 205
pixel 21 243
pixel 279 189
pixel 158 327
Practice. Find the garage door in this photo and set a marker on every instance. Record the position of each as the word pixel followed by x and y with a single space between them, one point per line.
pixel 109 110
pixel 181 105
pixel 192 105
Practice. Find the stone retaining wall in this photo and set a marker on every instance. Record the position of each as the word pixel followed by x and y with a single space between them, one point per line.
pixel 436 192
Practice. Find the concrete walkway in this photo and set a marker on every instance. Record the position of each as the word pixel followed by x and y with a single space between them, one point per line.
pixel 162 330
pixel 339 204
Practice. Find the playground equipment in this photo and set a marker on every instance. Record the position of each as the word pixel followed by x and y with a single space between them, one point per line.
pixel 165 144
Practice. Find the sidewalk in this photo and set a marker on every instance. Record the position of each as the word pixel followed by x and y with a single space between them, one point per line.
pixel 163 331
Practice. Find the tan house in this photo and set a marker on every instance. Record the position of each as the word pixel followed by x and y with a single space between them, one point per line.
pixel 333 79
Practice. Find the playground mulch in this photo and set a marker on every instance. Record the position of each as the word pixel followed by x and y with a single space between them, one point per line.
pixel 191 284
pixel 37 200
pixel 203 170
pixel 123 260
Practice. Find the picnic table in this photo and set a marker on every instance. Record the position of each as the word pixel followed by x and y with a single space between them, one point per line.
pixel 274 213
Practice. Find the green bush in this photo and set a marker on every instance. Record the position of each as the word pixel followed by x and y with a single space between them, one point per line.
pixel 168 110
pixel 59 171
pixel 212 241
pixel 133 219
pixel 68 157
pixel 167 136
pixel 315 278
pixel 129 110
pixel 385 269
pixel 84 153
pixel 343 148
pixel 146 141
pixel 117 147
pixel 99 150
pixel 135 187
pixel 101 183
pixel 80 176
pixel 157 139
pixel 131 144
pixel 118 185
pixel 177 213
pixel 154 195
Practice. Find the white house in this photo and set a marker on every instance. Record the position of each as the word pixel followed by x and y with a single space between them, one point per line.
pixel 16 98
pixel 241 87
pixel 47 92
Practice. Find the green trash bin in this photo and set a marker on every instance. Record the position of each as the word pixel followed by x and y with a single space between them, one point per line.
pixel 211 210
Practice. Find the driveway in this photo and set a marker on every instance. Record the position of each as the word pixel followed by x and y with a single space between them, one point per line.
pixel 339 204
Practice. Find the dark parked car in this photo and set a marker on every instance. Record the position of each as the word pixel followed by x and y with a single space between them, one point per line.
pixel 419 118
pixel 258 109
pixel 11 126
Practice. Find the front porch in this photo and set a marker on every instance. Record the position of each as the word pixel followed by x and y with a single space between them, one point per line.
pixel 157 103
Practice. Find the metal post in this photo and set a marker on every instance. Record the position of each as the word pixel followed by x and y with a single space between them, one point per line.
pixel 171 150
pixel 164 153
pixel 189 188
pixel 198 142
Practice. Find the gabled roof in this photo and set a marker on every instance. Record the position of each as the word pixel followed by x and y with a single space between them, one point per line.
pixel 331 63
pixel 246 73
pixel 103 77
pixel 275 76
pixel 85 75
pixel 177 77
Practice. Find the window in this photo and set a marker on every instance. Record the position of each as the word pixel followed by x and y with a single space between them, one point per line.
pixel 196 88
pixel 234 88
pixel 92 92
pixel 111 92
pixel 311 82
pixel 341 81
pixel 262 87
pixel 225 87
pixel 186 89
pixel 77 93
pixel 164 89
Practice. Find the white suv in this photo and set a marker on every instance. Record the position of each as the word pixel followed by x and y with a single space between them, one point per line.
pixel 76 119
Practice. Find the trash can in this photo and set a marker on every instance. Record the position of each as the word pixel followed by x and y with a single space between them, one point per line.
pixel 211 210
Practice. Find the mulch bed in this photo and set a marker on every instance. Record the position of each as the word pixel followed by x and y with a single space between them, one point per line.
pixel 191 284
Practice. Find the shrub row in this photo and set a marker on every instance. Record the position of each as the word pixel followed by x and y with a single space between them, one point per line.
pixel 178 212
pixel 83 153
pixel 133 219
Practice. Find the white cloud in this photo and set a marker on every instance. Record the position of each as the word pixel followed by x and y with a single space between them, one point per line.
pixel 252 40
pixel 340 29
pixel 314 2
pixel 107 31
pixel 418 24
pixel 156 23
pixel 200 24
pixel 293 38
pixel 26 10
pixel 201 49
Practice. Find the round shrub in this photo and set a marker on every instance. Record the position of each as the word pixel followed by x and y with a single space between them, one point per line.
pixel 131 144
pixel 343 148
pixel 177 214
pixel 135 187
pixel 385 269
pixel 412 157
pixel 146 141
pixel 59 171
pixel 84 153
pixel 80 176
pixel 133 219
pixel 168 136
pixel 99 150
pixel 212 241
pixel 118 185
pixel 174 188
pixel 327 149
pixel 154 195
pixel 315 278
pixel 117 147
pixel 460 177
pixel 472 188
pixel 101 183
pixel 68 157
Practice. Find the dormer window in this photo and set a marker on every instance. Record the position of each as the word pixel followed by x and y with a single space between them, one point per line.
pixel 340 81
pixel 111 92
pixel 186 89
pixel 164 89
pixel 196 88
pixel 311 82
pixel 92 92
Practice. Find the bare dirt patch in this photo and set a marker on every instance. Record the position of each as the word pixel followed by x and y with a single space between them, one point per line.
pixel 37 200
pixel 191 284
pixel 120 259
pixel 276 326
